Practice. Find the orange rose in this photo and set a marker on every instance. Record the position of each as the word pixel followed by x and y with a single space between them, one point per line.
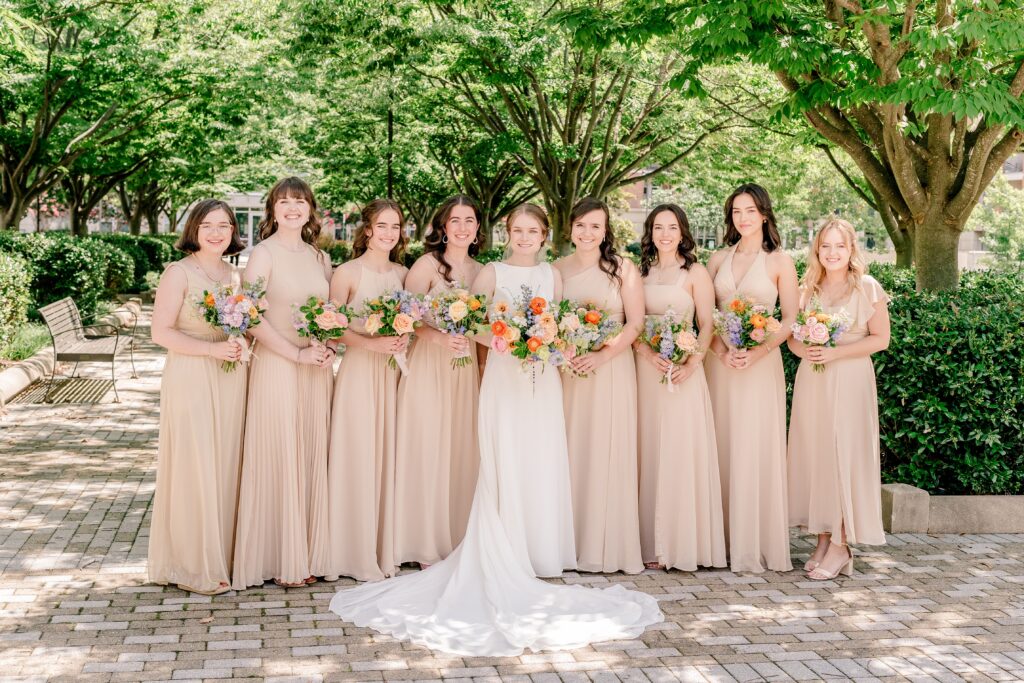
pixel 209 300
pixel 656 340
pixel 474 304
pixel 498 328
pixel 533 343
pixel 737 306
pixel 537 305
pixel 239 297
pixel 758 320
pixel 593 317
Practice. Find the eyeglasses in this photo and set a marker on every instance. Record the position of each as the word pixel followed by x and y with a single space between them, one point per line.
pixel 217 227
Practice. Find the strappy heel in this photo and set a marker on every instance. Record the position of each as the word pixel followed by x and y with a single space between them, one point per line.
pixel 819 574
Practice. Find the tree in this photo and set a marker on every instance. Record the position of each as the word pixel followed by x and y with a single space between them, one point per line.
pixel 925 97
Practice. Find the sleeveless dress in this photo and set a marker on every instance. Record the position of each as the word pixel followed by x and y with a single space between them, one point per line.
pixel 750 421
pixel 202 411
pixel 600 421
pixel 484 599
pixel 681 522
pixel 282 508
pixel 834 467
pixel 361 467
pixel 436 458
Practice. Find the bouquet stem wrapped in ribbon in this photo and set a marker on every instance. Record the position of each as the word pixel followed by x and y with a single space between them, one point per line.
pixel 583 328
pixel 814 327
pixel 234 310
pixel 320 321
pixel 672 339
pixel 394 314
pixel 456 312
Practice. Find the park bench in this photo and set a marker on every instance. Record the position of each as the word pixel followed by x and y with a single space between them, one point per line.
pixel 73 341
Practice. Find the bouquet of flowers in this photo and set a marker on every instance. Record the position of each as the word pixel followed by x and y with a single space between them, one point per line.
pixel 394 314
pixel 528 330
pixel 745 324
pixel 320 320
pixel 583 328
pixel 814 327
pixel 456 312
pixel 234 310
pixel 671 338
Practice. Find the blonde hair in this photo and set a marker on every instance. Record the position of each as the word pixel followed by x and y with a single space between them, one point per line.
pixel 815 273
pixel 534 212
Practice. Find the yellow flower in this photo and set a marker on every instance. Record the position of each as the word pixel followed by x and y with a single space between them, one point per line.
pixel 458 310
pixel 253 312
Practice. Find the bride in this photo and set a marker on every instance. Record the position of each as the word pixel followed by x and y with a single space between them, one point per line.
pixel 484 599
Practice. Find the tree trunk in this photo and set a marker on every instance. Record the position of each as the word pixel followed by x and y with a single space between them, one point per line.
pixel 172 219
pixel 905 254
pixel 79 220
pixel 558 220
pixel 11 213
pixel 135 223
pixel 935 255
pixel 153 219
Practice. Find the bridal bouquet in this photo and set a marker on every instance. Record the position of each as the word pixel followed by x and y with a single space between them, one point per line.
pixel 672 339
pixel 394 314
pixel 234 310
pixel 745 324
pixel 583 328
pixel 814 327
pixel 527 329
pixel 457 312
pixel 321 320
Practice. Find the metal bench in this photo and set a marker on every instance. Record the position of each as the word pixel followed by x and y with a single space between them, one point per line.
pixel 74 342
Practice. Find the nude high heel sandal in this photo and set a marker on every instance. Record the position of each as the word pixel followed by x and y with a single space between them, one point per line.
pixel 819 574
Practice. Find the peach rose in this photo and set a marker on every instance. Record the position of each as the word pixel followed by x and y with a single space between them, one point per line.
pixel 512 335
pixel 373 324
pixel 327 321
pixel 457 311
pixel 404 324
pixel 772 326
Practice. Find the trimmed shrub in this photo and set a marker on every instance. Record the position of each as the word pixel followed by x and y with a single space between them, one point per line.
pixel 339 252
pixel 148 253
pixel 15 296
pixel 119 266
pixel 60 266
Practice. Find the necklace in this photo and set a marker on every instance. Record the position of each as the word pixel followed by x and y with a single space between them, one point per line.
pixel 208 276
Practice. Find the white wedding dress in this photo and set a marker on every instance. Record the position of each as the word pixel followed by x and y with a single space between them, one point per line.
pixel 484 599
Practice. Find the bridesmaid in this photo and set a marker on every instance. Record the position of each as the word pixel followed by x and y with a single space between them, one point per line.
pixel 361 473
pixel 437 455
pixel 282 509
pixel 834 469
pixel 600 409
pixel 681 522
pixel 748 387
pixel 201 413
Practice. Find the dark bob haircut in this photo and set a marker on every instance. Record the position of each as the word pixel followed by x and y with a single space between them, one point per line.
pixel 189 240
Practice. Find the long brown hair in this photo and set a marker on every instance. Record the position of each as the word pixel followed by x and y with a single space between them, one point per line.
pixel 609 262
pixel 770 239
pixel 368 215
pixel 297 188
pixel 436 241
pixel 686 247
pixel 189 240
pixel 533 211
pixel 815 272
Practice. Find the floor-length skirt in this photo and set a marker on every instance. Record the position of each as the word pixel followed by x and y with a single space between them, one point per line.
pixel 361 467
pixel 600 419
pixel 834 468
pixel 436 457
pixel 750 421
pixel 282 509
pixel 202 411
pixel 681 519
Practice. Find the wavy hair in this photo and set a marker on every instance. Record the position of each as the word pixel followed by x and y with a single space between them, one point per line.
pixel 436 241
pixel 686 249
pixel 770 238
pixel 815 273
pixel 368 215
pixel 296 188
pixel 610 262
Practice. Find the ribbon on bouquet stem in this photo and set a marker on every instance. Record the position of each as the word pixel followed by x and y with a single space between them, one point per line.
pixel 245 351
pixel 402 362
pixel 668 378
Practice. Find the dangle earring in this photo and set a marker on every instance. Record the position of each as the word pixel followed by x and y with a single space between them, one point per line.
pixel 444 237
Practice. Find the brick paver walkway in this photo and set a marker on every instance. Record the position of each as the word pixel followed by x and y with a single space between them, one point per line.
pixel 76 482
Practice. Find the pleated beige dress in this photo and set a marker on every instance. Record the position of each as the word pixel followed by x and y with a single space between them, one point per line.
pixel 437 457
pixel 750 421
pixel 681 521
pixel 834 466
pixel 600 425
pixel 282 508
pixel 361 469
pixel 202 410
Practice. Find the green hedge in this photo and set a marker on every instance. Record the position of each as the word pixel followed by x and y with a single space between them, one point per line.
pixel 148 253
pixel 15 296
pixel 951 384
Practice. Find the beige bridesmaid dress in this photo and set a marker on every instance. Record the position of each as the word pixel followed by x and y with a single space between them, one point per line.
pixel 834 466
pixel 437 456
pixel 681 522
pixel 282 508
pixel 361 469
pixel 600 424
pixel 750 421
pixel 202 410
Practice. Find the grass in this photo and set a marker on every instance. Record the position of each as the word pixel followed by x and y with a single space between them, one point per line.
pixel 27 340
